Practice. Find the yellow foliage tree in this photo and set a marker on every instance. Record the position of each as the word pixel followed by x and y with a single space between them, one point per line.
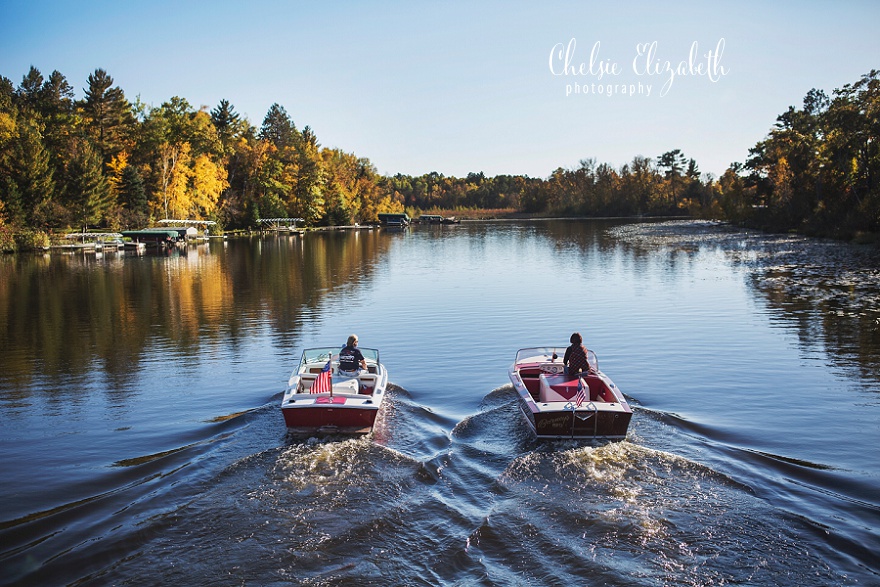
pixel 208 182
pixel 7 128
pixel 174 200
pixel 115 167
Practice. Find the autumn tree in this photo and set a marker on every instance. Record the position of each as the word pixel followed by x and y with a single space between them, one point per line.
pixel 178 137
pixel 207 183
pixel 10 196
pixel 352 191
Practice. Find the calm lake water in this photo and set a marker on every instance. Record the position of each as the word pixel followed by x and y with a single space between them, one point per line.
pixel 141 439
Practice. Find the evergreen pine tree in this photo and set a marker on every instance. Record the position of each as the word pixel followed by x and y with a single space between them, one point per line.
pixel 86 192
pixel 227 121
pixel 31 170
pixel 10 198
pixel 278 128
pixel 57 95
pixel 132 193
pixel 57 110
pixel 108 114
pixel 29 94
pixel 133 197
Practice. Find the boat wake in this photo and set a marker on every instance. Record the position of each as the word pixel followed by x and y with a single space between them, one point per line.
pixel 414 503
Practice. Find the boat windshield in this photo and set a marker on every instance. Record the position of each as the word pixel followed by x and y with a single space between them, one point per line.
pixel 319 355
pixel 545 353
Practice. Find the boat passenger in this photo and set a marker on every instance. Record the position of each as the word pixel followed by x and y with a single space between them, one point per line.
pixel 575 359
pixel 351 361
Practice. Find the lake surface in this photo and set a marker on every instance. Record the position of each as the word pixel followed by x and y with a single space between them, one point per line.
pixel 141 439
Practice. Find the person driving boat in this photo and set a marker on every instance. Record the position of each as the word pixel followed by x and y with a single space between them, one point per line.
pixel 351 361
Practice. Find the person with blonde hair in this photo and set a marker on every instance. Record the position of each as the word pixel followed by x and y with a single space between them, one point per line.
pixel 351 360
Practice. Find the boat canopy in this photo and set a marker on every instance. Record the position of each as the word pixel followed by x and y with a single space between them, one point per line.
pixel 188 222
pixel 85 235
pixel 394 219
pixel 151 234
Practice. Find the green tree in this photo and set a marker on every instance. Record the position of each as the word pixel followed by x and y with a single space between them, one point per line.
pixel 673 162
pixel 305 172
pixel 851 153
pixel 60 121
pixel 31 172
pixel 133 197
pixel 86 193
pixel 108 115
pixel 278 128
pixel 57 95
pixel 30 92
pixel 228 124
pixel 10 198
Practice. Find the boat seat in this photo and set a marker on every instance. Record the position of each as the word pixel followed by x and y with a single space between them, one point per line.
pixel 368 378
pixel 347 385
pixel 367 382
pixel 306 380
pixel 562 388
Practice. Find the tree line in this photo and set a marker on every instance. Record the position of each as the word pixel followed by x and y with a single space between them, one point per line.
pixel 106 161
pixel 817 172
pixel 818 169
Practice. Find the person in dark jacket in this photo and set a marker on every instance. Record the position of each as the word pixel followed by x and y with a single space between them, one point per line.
pixel 350 358
pixel 575 359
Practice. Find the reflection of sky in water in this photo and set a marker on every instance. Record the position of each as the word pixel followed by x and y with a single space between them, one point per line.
pixel 672 314
pixel 741 373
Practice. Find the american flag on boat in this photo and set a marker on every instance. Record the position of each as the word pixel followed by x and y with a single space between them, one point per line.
pixel 581 395
pixel 322 382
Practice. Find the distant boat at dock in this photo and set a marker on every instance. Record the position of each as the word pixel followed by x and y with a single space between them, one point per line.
pixel 392 220
pixel 436 219
pixel 154 237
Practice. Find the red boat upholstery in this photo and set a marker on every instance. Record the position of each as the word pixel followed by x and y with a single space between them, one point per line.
pixel 561 388
pixel 366 387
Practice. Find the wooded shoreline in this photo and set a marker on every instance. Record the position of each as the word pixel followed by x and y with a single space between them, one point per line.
pixel 70 164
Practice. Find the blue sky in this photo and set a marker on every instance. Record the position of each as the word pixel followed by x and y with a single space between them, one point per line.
pixel 456 87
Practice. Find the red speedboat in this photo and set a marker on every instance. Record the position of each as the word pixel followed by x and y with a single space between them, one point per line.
pixel 321 399
pixel 558 406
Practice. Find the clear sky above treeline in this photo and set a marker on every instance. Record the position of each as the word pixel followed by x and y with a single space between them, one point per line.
pixel 454 87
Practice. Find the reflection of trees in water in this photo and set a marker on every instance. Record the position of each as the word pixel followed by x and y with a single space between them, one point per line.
pixel 61 315
pixel 825 307
pixel 826 291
